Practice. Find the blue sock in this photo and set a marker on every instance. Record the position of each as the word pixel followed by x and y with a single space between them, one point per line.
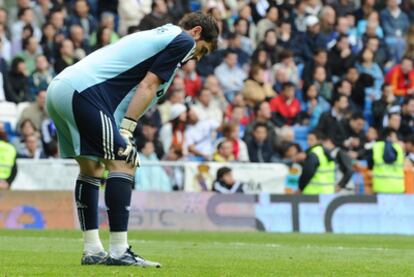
pixel 118 200
pixel 87 197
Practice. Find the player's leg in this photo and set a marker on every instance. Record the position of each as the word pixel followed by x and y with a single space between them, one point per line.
pixel 118 193
pixel 87 198
pixel 72 143
pixel 118 200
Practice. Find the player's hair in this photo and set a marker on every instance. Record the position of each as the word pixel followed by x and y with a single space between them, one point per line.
pixel 210 29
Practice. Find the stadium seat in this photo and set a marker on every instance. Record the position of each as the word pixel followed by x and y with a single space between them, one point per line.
pixel 301 136
pixel 8 113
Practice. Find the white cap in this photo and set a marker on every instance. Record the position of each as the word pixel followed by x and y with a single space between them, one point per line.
pixel 176 110
pixel 311 20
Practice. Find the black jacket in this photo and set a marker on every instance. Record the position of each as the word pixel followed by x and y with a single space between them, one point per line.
pixel 259 153
pixel 341 158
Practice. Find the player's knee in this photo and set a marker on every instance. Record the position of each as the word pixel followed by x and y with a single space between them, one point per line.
pixel 119 166
pixel 90 168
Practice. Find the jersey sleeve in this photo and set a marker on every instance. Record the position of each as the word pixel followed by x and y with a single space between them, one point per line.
pixel 180 49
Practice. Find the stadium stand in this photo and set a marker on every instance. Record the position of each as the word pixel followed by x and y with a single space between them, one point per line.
pixel 323 48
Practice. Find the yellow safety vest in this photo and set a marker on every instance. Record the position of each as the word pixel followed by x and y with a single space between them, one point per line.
pixel 388 178
pixel 7 158
pixel 323 182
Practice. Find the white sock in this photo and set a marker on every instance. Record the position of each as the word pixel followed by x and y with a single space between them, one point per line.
pixel 92 243
pixel 118 243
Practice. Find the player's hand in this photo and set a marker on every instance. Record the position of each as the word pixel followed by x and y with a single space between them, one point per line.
pixel 130 152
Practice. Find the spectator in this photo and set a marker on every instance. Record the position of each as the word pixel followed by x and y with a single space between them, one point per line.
pixel 224 152
pixel 299 16
pixel 407 117
pixel 6 47
pixel 323 86
pixel 341 57
pixel 199 136
pixel 230 76
pixel 80 43
pixel 259 147
pixel 255 87
pixel 367 6
pixel 366 64
pixel 36 111
pixel 172 133
pixel 32 149
pixel 260 58
pixel 380 52
pixel 234 44
pixel 192 81
pixel 267 23
pixel 151 177
pixel 8 168
pixel 371 22
pixel 149 133
pixel 401 78
pixel 205 107
pixel 395 23
pixel 287 64
pixel 270 45
pixel 225 182
pixel 57 19
pixel 355 136
pixel 360 83
pixel 131 13
pixel 330 122
pixel 285 35
pixel 382 106
pixel 241 26
pixel 409 150
pixel 107 22
pixel 286 107
pixel 218 99
pixel 66 56
pixel 41 77
pixel 48 41
pixel 386 162
pixel 343 7
pixel 314 106
pixel 327 22
pixel 25 17
pixel 262 114
pixel 238 146
pixel 289 153
pixel 83 18
pixel 320 58
pixel 311 40
pixel 158 16
pixel 176 96
pixel 18 82
pixel 318 171
pixel 393 122
pixel 103 37
pixel 3 76
pixel 29 53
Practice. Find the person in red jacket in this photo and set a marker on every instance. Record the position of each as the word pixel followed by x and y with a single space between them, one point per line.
pixel 285 106
pixel 192 81
pixel 401 78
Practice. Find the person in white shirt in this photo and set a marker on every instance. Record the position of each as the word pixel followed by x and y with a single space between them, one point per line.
pixel 230 75
pixel 205 108
pixel 200 136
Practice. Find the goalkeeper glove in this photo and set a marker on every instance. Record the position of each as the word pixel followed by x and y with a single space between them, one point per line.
pixel 130 152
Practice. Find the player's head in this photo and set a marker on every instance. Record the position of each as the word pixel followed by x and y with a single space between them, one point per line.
pixel 204 29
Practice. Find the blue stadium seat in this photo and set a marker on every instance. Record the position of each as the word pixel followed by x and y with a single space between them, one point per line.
pixel 301 134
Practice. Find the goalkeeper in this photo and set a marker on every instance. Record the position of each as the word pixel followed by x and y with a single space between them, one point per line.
pixel 95 105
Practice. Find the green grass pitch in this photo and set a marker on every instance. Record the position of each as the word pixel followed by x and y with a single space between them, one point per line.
pixel 57 253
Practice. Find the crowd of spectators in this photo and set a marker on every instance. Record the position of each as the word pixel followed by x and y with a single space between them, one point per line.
pixel 341 67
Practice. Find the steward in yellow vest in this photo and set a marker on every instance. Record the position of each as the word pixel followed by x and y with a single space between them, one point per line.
pixel 318 174
pixel 7 161
pixel 387 164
